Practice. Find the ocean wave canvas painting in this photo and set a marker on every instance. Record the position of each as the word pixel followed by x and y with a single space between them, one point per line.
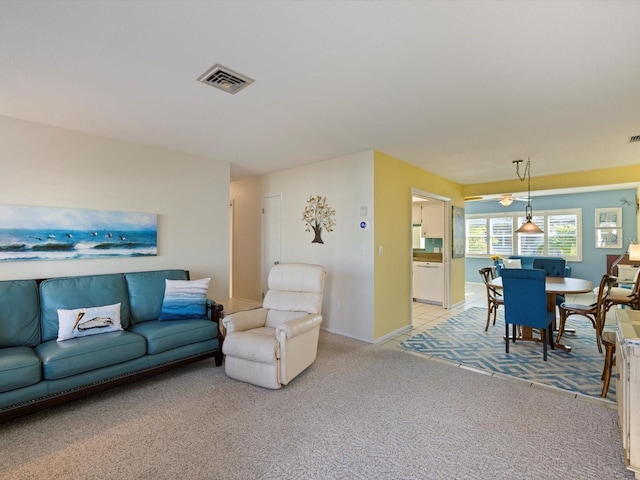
pixel 44 233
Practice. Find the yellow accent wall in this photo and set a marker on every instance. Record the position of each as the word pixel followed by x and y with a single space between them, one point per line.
pixel 393 180
pixel 591 178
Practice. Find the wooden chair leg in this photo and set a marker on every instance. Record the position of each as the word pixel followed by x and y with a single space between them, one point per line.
pixel 606 372
pixel 563 319
pixel 488 317
pixel 550 333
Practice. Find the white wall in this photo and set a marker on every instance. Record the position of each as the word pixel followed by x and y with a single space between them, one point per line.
pixel 347 182
pixel 52 167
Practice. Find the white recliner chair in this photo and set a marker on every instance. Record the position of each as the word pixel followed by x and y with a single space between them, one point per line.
pixel 270 346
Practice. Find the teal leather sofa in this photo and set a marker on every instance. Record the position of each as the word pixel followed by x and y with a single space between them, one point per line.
pixel 37 371
pixel 553 266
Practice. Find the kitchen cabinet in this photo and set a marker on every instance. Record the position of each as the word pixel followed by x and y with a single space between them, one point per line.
pixel 428 282
pixel 628 385
pixel 433 220
pixel 416 214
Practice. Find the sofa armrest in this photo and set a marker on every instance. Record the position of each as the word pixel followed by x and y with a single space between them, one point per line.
pixel 298 326
pixel 214 310
pixel 245 320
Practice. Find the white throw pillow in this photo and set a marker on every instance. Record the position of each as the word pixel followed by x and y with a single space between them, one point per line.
pixel 512 263
pixel 82 322
pixel 184 299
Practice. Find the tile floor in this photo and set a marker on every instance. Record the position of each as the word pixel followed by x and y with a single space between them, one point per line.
pixel 426 315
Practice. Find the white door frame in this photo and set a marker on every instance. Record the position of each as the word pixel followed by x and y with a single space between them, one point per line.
pixel 268 259
pixel 446 243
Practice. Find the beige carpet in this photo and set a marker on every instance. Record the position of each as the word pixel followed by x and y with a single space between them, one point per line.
pixel 360 412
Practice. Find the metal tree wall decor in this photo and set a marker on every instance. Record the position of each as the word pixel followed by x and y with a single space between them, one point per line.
pixel 318 215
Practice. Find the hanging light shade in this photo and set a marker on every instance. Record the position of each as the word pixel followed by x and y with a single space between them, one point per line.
pixel 529 228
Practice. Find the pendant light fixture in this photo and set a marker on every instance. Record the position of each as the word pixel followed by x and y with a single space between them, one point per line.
pixel 529 227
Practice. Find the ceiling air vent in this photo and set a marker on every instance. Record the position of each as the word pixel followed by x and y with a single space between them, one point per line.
pixel 225 79
pixel 635 138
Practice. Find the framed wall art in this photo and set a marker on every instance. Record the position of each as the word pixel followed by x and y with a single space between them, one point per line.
pixel 458 235
pixel 608 238
pixel 609 217
pixel 608 225
pixel 44 233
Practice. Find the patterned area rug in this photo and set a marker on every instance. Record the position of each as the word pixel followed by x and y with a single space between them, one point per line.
pixel 462 340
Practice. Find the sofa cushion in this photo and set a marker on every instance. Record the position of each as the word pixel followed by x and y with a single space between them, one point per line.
pixel 166 335
pixel 78 355
pixel 19 314
pixel 146 292
pixel 83 322
pixel 259 345
pixel 184 299
pixel 19 367
pixel 80 292
pixel 526 261
pixel 512 263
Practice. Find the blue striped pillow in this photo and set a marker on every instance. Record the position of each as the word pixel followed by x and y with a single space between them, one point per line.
pixel 185 299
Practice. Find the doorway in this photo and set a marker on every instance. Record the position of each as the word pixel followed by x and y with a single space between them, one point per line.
pixel 431 243
pixel 271 234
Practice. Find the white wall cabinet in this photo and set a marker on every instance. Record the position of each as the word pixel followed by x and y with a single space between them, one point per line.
pixel 433 220
pixel 416 214
pixel 628 385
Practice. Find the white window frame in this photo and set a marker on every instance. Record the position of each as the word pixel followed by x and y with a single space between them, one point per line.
pixel 517 218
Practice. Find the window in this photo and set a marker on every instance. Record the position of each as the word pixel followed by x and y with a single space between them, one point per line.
pixel 476 235
pixel 494 234
pixel 501 235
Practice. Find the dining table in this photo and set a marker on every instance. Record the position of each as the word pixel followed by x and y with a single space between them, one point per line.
pixel 553 286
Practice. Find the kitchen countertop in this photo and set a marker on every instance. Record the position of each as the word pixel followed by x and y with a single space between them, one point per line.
pixel 427 257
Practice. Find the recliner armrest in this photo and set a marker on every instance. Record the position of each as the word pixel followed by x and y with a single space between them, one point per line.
pixel 245 320
pixel 298 326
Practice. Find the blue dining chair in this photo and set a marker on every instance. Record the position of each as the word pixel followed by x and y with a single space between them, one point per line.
pixel 553 267
pixel 525 303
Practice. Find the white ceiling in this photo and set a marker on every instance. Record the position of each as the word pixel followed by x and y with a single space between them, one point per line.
pixel 459 88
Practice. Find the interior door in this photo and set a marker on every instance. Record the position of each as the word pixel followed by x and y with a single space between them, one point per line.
pixel 271 235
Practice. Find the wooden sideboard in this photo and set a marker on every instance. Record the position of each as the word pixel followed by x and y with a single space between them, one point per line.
pixel 625 261
pixel 628 384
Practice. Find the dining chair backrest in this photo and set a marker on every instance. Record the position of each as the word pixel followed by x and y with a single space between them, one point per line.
pixel 553 267
pixel 624 296
pixel 525 298
pixel 606 283
pixel 494 298
pixel 487 274
pixel 636 283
